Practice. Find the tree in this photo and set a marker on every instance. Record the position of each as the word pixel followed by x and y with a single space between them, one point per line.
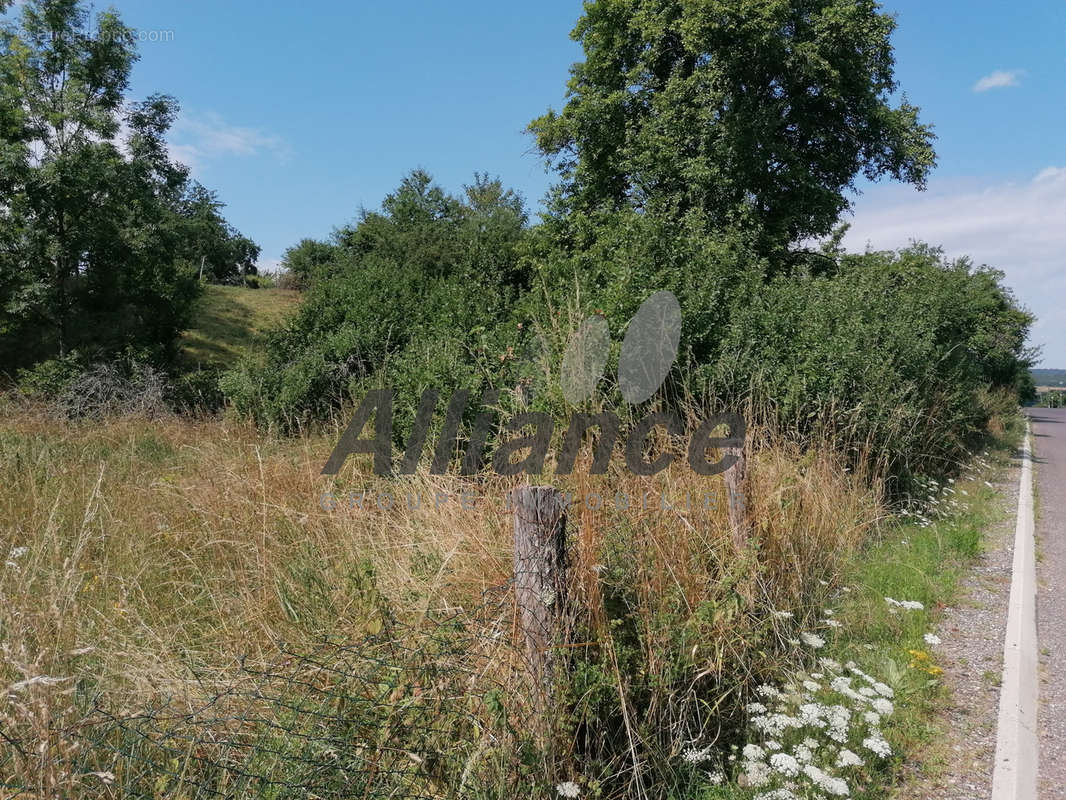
pixel 97 233
pixel 305 258
pixel 743 112
pixel 208 239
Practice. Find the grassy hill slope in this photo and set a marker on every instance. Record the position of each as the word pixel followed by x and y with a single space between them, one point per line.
pixel 229 319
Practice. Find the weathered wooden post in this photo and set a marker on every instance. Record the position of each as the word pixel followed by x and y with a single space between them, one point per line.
pixel 540 570
pixel 736 480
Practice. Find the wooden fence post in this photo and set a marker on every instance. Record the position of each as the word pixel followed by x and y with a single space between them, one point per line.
pixel 540 569
pixel 736 480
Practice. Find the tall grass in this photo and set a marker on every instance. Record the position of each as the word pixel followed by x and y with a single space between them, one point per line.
pixel 155 551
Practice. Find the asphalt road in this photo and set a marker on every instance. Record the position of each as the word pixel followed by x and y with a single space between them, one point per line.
pixel 1049 456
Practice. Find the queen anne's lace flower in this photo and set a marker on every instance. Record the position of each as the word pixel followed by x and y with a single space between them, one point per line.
pixel 827 783
pixel 877 745
pixel 882 706
pixel 785 764
pixel 694 755
pixel 752 752
pixel 568 789
pixel 776 794
pixel 846 759
pixel 812 640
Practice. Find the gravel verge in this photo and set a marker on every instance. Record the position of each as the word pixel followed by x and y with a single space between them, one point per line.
pixel 960 766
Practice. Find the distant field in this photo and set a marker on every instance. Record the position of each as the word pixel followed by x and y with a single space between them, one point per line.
pixel 1049 377
pixel 229 319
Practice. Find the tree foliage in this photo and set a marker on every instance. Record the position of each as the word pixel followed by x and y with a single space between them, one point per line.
pixel 416 292
pixel 100 232
pixel 742 112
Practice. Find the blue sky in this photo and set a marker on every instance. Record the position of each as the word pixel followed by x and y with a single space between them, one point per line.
pixel 298 114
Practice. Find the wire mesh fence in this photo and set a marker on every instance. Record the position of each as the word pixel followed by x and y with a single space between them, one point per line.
pixel 433 710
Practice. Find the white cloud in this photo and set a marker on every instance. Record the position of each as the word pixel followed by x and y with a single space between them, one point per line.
pixel 1000 79
pixel 197 139
pixel 1017 227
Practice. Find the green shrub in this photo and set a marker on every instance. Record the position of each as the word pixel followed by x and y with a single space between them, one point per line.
pixel 48 379
pixel 421 293
pixel 893 356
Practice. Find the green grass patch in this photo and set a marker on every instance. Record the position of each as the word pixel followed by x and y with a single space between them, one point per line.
pixel 228 320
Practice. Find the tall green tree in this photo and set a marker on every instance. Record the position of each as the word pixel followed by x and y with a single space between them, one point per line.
pixel 225 255
pixel 98 240
pixel 758 113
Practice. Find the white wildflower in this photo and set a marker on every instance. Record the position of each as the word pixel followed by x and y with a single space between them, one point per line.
pixel 931 638
pixel 812 640
pixel 785 764
pixel 770 744
pixel 832 623
pixel 838 733
pixel 872 718
pixel 756 708
pixel 568 789
pixel 883 706
pixel 811 686
pixel 908 604
pixel 829 664
pixel 776 794
pixel 716 778
pixel 752 752
pixel 695 756
pixel 840 684
pixel 877 745
pixel 848 759
pixel 811 714
pixel 775 724
pixel 757 772
pixel 827 783
pixel 783 614
pixel 883 690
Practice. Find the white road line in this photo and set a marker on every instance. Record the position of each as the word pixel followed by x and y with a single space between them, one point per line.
pixel 1014 777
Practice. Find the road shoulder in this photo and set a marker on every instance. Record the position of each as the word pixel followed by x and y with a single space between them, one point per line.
pixel 960 764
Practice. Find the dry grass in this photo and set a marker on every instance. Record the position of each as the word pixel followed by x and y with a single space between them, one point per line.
pixel 153 547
